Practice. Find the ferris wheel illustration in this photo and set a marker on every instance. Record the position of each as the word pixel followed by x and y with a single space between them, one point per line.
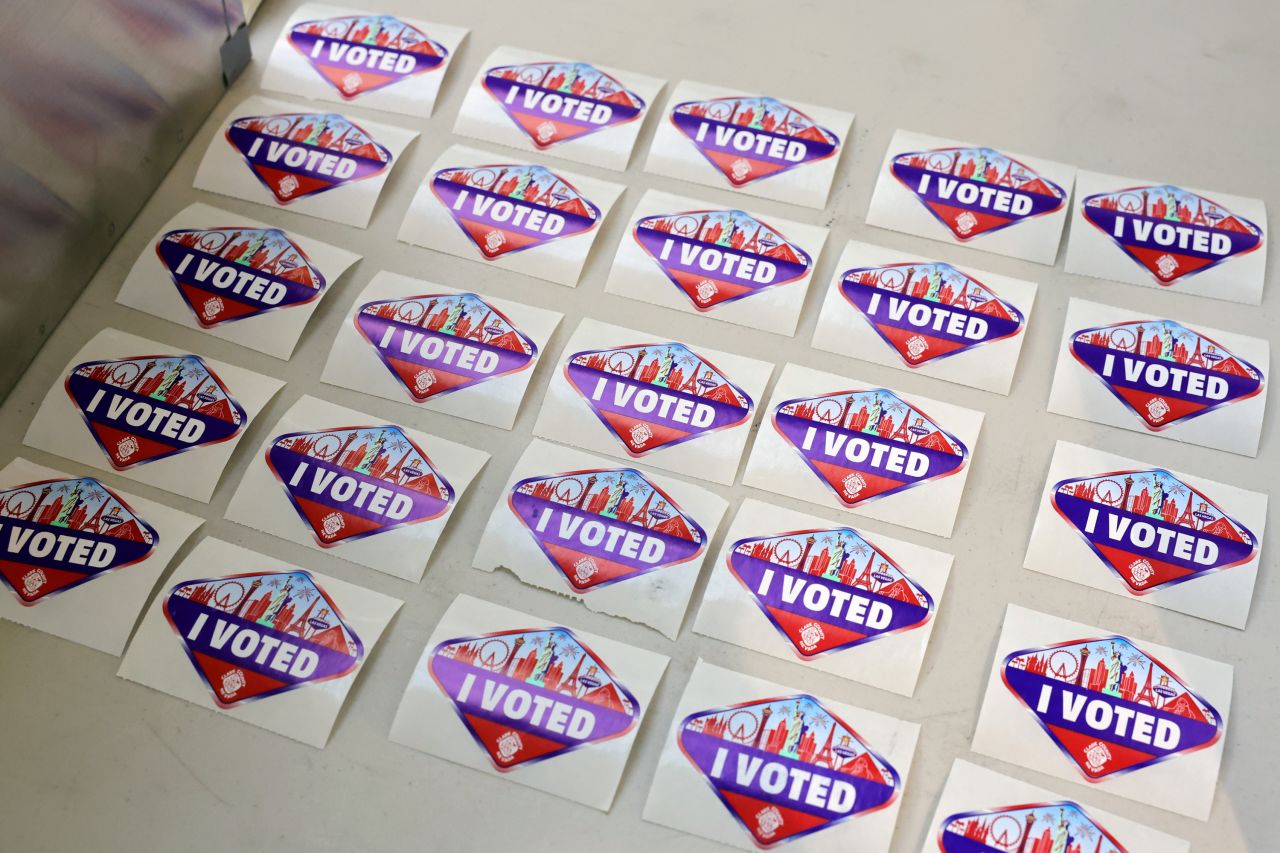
pixel 893 278
pixel 340 29
pixel 483 177
pixel 124 374
pixel 788 552
pixel 620 362
pixel 493 654
pixel 568 490
pixel 326 446
pixel 411 312
pixel 533 75
pixel 278 125
pixel 18 504
pixel 213 241
pixel 1123 339
pixel 228 595
pixel 720 111
pixel 1006 832
pixel 1109 492
pixel 1131 203
pixel 742 725
pixel 1064 664
pixel 941 161
pixel 686 225
pixel 828 411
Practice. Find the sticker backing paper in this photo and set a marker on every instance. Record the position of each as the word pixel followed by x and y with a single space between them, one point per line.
pixel 539 703
pixel 234 278
pixel 272 644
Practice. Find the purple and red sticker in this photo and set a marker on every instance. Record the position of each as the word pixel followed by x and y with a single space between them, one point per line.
pixel 1170 232
pixel 927 311
pixel 1151 529
pixel 254 635
pixel 364 53
pixel 602 526
pixel 974 191
pixel 1028 828
pixel 510 208
pixel 749 139
pixel 151 407
pixel 227 274
pixel 719 256
pixel 827 590
pixel 351 482
pixel 786 767
pixel 1164 372
pixel 296 155
pixel 656 395
pixel 555 102
pixel 868 444
pixel 58 534
pixel 1108 706
pixel 438 343
pixel 529 695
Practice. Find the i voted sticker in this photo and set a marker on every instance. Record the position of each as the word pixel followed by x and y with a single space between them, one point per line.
pixel 554 102
pixel 719 256
pixel 1061 827
pixel 868 444
pixel 510 208
pixel 1164 372
pixel 296 155
pixel 786 767
pixel 975 191
pixel 363 53
pixel 58 534
pixel 1152 529
pixel 529 695
pixel 749 139
pixel 226 274
pixel 1169 231
pixel 150 407
pixel 656 395
pixel 602 526
pixel 1109 706
pixel 350 482
pixel 826 590
pixel 254 635
pixel 927 311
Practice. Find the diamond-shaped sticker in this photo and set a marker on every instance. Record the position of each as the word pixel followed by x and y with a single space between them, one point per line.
pixel 1031 828
pixel 363 53
pixel 748 139
pixel 1169 231
pixel 927 311
pixel 602 526
pixel 1152 529
pixel 656 395
pixel 826 590
pixel 58 534
pixel 226 274
pixel 719 256
pixel 1109 706
pixel 350 482
pixel 296 155
pixel 1164 372
pixel 438 343
pixel 255 635
pixel 529 695
pixel 557 101
pixel 975 191
pixel 149 407
pixel 867 444
pixel 786 767
pixel 510 208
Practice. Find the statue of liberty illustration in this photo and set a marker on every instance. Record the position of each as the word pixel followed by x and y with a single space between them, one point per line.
pixel 1171 205
pixel 873 417
pixel 171 376
pixel 451 321
pixel 539 674
pixel 935 284
pixel 980 167
pixel 616 494
pixel 278 600
pixel 1112 687
pixel 371 454
pixel 522 183
pixel 62 519
pixel 1157 499
pixel 570 77
pixel 255 243
pixel 835 565
pixel 1166 344
pixel 1060 835
pixel 795 728
pixel 664 368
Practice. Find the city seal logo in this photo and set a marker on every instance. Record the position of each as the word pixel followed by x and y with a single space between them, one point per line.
pixel 719 256
pixel 927 311
pixel 505 209
pixel 602 526
pixel 826 590
pixel 554 102
pixel 1164 372
pixel 153 406
pixel 1110 707
pixel 58 534
pixel 296 155
pixel 438 343
pixel 226 274
pixel 1031 828
pixel 786 767
pixel 975 191
pixel 364 53
pixel 256 635
pixel 529 695
pixel 749 139
pixel 1170 232
pixel 868 444
pixel 1152 529
pixel 350 482
pixel 656 395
